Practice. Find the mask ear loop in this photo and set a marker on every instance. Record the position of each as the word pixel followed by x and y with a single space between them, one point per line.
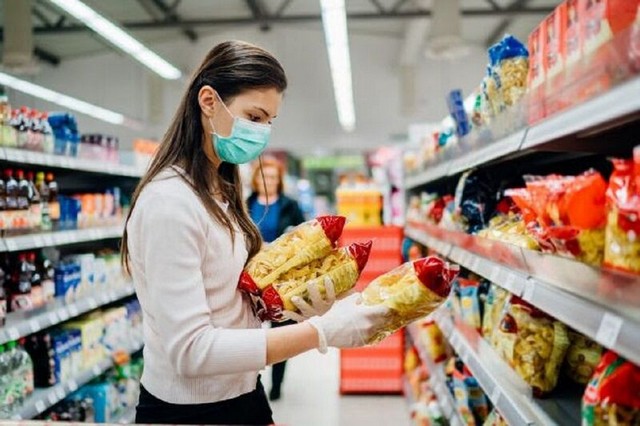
pixel 266 193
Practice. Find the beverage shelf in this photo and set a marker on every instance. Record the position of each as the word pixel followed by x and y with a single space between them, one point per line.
pixel 58 238
pixel 21 324
pixel 611 107
pixel 71 163
pixel 45 398
pixel 602 304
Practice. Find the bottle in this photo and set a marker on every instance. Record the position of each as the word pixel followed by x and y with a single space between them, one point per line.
pixel 23 191
pixel 37 292
pixel 3 195
pixel 6 396
pixel 3 299
pixel 21 291
pixel 14 122
pixel 35 203
pixel 12 190
pixel 7 132
pixel 15 384
pixel 37 137
pixel 43 189
pixel 54 205
pixel 48 142
pixel 24 128
pixel 47 273
pixel 24 369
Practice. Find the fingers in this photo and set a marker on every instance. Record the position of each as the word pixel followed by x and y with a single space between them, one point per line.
pixel 290 315
pixel 314 294
pixel 305 309
pixel 330 290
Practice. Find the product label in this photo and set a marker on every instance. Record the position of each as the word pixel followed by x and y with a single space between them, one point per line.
pixel 21 302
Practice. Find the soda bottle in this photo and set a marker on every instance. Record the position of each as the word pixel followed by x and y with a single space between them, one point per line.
pixel 43 189
pixel 54 206
pixel 47 273
pixel 25 368
pixel 24 128
pixel 35 203
pixel 37 137
pixel 37 292
pixel 6 396
pixel 15 385
pixel 23 200
pixel 21 292
pixel 11 190
pixel 3 195
pixel 7 132
pixel 48 142
pixel 3 299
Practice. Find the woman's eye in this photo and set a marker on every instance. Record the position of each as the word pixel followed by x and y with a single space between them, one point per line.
pixel 254 118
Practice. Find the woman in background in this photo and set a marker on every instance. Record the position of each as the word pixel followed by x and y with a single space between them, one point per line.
pixel 274 213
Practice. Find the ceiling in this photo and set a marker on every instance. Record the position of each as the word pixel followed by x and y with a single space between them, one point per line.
pixel 59 37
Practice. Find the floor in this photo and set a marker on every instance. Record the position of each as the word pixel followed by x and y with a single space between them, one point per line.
pixel 310 397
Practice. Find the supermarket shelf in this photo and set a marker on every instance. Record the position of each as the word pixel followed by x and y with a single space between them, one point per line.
pixel 507 391
pixel 610 107
pixel 20 324
pixel 437 380
pixel 70 163
pixel 58 238
pixel 45 398
pixel 600 303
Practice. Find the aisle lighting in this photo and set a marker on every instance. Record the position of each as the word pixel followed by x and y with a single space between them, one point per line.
pixel 334 22
pixel 63 100
pixel 117 36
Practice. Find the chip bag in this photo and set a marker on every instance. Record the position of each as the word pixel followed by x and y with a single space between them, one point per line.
pixel 533 343
pixel 496 300
pixel 306 242
pixel 342 266
pixel 583 356
pixel 411 291
pixel 612 396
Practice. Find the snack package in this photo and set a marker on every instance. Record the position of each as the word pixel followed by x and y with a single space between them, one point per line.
pixel 495 419
pixel 475 201
pixel 583 356
pixel 461 394
pixel 533 343
pixel 342 266
pixel 306 242
pixel 612 396
pixel 470 303
pixel 622 247
pixel 411 291
pixel 509 228
pixel 433 340
pixel 494 305
pixel 535 78
pixel 509 60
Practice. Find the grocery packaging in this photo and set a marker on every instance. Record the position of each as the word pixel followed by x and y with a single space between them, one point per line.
pixel 495 419
pixel 509 61
pixel 306 242
pixel 471 293
pixel 533 343
pixel 342 266
pixel 572 31
pixel 411 291
pixel 583 356
pixel 433 340
pixel 495 302
pixel 475 201
pixel 509 228
pixel 461 394
pixel 612 397
pixel 554 59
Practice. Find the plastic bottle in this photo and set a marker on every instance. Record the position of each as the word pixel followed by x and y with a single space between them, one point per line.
pixel 21 291
pixel 3 299
pixel 48 142
pixel 3 195
pixel 37 137
pixel 37 292
pixel 47 273
pixel 14 122
pixel 54 205
pixel 24 128
pixel 6 396
pixel 35 203
pixel 7 132
pixel 23 191
pixel 12 190
pixel 16 385
pixel 43 190
pixel 25 369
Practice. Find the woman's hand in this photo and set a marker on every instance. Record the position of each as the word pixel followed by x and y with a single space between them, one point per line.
pixel 319 305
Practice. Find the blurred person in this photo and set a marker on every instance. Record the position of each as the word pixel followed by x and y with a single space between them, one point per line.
pixel 274 213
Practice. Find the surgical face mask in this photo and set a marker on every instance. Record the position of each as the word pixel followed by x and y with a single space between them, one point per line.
pixel 244 144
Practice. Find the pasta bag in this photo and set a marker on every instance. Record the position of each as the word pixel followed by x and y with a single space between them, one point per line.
pixel 612 396
pixel 342 266
pixel 411 291
pixel 307 242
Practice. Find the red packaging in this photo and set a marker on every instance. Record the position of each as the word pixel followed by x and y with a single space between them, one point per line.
pixel 535 78
pixel 604 19
pixel 573 31
pixel 554 60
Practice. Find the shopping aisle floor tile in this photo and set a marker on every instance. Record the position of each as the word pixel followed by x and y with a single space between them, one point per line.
pixel 310 397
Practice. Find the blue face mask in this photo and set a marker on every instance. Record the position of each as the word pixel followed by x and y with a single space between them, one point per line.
pixel 245 143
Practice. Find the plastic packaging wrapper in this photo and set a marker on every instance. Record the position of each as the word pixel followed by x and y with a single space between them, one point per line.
pixel 622 247
pixel 495 302
pixel 475 201
pixel 411 291
pixel 509 228
pixel 472 295
pixel 582 359
pixel 306 242
pixel 507 76
pixel 495 419
pixel 612 396
pixel 342 266
pixel 462 398
pixel 434 340
pixel 533 343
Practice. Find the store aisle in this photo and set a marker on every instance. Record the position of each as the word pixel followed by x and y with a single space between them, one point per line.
pixel 310 397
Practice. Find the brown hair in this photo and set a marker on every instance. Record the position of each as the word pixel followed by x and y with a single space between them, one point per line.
pixel 268 162
pixel 230 68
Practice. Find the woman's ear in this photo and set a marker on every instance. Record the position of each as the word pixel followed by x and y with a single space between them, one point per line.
pixel 208 100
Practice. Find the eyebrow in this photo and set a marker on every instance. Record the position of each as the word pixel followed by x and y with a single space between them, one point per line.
pixel 265 112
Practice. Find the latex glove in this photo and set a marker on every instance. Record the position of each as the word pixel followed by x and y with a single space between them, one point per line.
pixel 318 306
pixel 349 323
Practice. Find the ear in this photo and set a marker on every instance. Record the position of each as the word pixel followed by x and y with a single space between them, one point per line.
pixel 208 100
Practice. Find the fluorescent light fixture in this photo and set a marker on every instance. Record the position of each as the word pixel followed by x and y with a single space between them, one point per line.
pixel 334 21
pixel 63 100
pixel 118 37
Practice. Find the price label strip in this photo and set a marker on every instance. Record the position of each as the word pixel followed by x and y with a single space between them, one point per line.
pixel 609 330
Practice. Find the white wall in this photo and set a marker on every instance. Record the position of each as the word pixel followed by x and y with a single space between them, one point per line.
pixel 308 121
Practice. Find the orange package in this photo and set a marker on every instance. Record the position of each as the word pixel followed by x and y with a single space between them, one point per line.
pixel 535 77
pixel 553 59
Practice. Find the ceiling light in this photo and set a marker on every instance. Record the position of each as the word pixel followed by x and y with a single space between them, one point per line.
pixel 66 101
pixel 118 37
pixel 334 21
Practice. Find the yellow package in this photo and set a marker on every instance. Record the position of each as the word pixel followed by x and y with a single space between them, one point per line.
pixel 411 291
pixel 533 343
pixel 496 299
pixel 583 357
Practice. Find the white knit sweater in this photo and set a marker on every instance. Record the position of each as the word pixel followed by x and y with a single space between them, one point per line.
pixel 202 341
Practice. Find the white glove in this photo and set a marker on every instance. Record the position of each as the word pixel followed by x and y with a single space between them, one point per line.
pixel 319 305
pixel 349 323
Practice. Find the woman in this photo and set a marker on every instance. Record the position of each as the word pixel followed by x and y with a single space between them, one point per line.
pixel 188 237
pixel 273 212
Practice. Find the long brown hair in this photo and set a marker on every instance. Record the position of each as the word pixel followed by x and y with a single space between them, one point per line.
pixel 230 68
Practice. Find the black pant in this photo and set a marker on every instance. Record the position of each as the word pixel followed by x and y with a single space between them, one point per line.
pixel 277 370
pixel 249 409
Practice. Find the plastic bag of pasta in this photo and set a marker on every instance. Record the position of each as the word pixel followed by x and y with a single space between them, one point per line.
pixel 533 343
pixel 306 242
pixel 496 299
pixel 583 357
pixel 509 60
pixel 411 291
pixel 342 267
pixel 612 396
